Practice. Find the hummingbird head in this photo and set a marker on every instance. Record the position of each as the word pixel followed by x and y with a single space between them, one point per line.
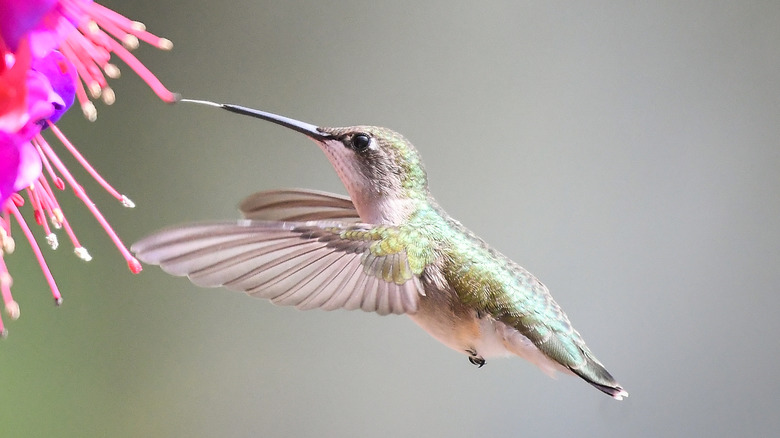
pixel 381 170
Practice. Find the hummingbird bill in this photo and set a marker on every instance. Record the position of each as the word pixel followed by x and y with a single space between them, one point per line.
pixel 387 248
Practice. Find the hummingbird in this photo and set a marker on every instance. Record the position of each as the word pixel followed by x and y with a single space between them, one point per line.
pixel 387 248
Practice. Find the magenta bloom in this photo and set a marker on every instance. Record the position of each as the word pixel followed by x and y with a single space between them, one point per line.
pixel 50 93
pixel 17 18
pixel 53 52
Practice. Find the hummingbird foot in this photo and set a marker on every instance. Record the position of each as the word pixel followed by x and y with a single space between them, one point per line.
pixel 475 359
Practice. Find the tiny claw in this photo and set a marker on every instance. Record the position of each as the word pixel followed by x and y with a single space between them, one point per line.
pixel 134 265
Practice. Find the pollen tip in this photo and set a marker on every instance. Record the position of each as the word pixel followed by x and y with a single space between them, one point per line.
pixel 176 98
pixel 130 42
pixel 6 279
pixel 82 253
pixel 137 25
pixel 127 202
pixel 165 44
pixel 112 71
pixel 89 110
pixel 3 333
pixel 134 265
pixel 94 89
pixel 59 216
pixel 9 244
pixel 12 309
pixel 58 301
pixel 109 97
pixel 51 239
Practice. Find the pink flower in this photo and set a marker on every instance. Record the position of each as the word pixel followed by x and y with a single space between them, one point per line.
pixel 53 52
pixel 17 18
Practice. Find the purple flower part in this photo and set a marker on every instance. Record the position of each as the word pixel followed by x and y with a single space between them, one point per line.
pixel 17 17
pixel 13 90
pixel 9 166
pixel 20 165
pixel 61 75
pixel 56 25
pixel 29 166
pixel 41 103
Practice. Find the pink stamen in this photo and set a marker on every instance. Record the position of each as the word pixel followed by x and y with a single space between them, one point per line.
pixel 17 199
pixel 86 58
pixel 82 44
pixel 58 182
pixel 81 194
pixel 11 307
pixel 129 41
pixel 101 15
pixel 91 83
pixel 36 206
pixel 83 161
pixel 5 223
pixel 87 107
pixel 55 212
pixel 38 255
pixel 45 202
pixel 100 37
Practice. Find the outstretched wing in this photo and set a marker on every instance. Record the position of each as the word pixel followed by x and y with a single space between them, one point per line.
pixel 327 265
pixel 299 205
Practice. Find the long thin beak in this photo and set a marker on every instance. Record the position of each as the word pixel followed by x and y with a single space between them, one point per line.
pixel 302 127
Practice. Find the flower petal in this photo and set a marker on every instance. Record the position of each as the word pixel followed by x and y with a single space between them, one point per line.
pixel 17 17
pixel 61 75
pixel 29 168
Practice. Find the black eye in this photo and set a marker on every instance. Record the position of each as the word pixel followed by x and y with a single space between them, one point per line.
pixel 360 142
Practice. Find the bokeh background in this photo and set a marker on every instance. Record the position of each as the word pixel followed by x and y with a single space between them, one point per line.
pixel 628 154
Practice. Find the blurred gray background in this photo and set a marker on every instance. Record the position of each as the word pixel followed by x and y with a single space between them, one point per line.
pixel 627 154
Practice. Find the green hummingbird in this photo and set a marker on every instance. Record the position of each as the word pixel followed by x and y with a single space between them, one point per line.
pixel 387 248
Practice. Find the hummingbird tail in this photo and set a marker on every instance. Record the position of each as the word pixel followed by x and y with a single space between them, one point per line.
pixel 598 376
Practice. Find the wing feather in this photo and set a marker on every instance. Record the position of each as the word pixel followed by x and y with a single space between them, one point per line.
pixel 322 264
pixel 299 205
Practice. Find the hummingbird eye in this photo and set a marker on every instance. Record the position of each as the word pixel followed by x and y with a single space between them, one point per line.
pixel 360 142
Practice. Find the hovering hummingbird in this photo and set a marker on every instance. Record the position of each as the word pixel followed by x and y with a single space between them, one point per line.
pixel 387 248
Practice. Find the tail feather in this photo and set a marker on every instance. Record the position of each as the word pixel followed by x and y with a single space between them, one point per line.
pixel 593 372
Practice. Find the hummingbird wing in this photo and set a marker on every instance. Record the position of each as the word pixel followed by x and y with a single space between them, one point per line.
pixel 298 205
pixel 327 265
